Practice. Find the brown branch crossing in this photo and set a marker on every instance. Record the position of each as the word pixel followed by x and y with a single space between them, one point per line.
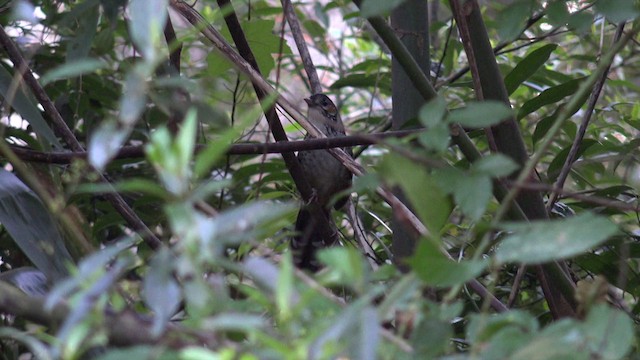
pixel 132 152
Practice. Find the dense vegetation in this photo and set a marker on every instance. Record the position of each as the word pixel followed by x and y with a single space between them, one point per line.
pixel 147 196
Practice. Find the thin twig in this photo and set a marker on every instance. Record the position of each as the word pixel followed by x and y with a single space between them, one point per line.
pixel 360 235
pixel 305 56
pixel 582 130
pixel 122 328
pixel 516 285
pixel 596 200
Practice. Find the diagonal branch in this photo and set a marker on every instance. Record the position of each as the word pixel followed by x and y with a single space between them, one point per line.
pixel 275 125
pixel 291 161
pixel 305 56
pixel 586 118
pixel 123 328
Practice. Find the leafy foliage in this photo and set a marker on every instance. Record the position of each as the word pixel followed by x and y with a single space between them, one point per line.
pixel 209 274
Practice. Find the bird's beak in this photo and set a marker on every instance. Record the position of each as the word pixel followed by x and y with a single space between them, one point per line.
pixel 308 101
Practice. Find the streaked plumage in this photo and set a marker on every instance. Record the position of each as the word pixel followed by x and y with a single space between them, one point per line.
pixel 327 176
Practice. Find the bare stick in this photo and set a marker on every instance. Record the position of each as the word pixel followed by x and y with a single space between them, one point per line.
pixel 305 56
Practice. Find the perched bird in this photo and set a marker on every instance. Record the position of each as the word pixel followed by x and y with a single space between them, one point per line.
pixel 327 177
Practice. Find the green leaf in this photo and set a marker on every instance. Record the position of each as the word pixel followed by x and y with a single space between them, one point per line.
pixel 141 352
pixel 473 194
pixel 609 333
pixel 618 10
pixel 480 114
pixel 483 327
pixel 381 80
pixel 528 66
pixel 146 23
pixel 471 191
pixel 581 21
pixel 134 96
pixel 199 353
pixel 72 69
pixel 216 149
pixel 432 335
pixel 346 267
pixel 370 8
pixel 549 96
pixel 542 127
pixel 499 335
pixel 172 158
pixel 436 137
pixel 354 326
pixel 557 13
pixel 542 241
pixel 33 230
pixel 87 16
pixel 284 289
pixel 234 322
pixel 249 221
pixel 30 281
pixel 140 185
pixel 108 139
pixel 161 291
pixel 367 335
pixel 556 164
pixel 513 19
pixel 431 204
pixel 435 269
pixel 495 165
pixel 263 42
pixel 605 334
pixel 561 340
pixel 24 104
pixel 433 112
pixel 264 273
pixel 105 143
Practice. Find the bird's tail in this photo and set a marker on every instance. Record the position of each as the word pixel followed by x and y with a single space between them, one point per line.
pixel 314 230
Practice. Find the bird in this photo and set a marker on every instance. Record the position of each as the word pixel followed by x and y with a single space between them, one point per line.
pixel 327 177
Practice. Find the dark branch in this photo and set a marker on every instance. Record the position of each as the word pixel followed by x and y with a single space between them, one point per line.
pixel 133 152
pixel 305 56
pixel 124 328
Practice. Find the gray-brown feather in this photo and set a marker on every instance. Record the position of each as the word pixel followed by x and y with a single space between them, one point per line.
pixel 328 177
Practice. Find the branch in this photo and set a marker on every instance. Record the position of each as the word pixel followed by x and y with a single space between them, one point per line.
pixel 124 328
pixel 400 52
pixel 505 137
pixel 294 25
pixel 586 118
pixel 179 95
pixel 248 62
pixel 134 152
pixel 596 200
